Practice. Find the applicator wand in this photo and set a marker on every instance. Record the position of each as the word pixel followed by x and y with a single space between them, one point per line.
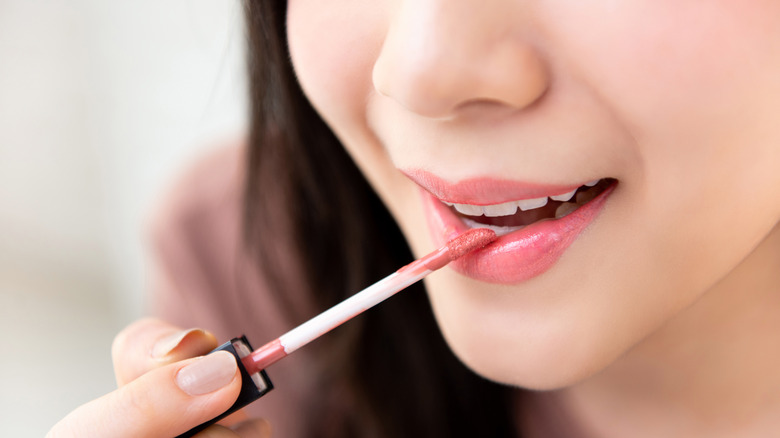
pixel 253 363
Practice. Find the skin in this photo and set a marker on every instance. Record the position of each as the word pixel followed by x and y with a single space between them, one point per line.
pixel 669 298
pixel 661 319
pixel 148 355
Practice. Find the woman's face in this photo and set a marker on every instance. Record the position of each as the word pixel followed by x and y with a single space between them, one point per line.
pixel 491 105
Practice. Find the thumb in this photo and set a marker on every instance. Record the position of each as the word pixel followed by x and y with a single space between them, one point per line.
pixel 164 402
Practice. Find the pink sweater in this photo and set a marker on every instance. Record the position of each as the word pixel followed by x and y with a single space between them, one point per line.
pixel 202 279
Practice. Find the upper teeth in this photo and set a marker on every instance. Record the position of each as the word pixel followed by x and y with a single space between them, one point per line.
pixel 564 197
pixel 505 209
pixel 510 208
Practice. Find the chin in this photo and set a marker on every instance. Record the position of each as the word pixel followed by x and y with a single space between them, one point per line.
pixel 519 336
pixel 541 369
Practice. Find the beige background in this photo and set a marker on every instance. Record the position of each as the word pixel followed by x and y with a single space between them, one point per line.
pixel 100 102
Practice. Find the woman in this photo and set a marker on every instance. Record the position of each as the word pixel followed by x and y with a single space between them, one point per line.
pixel 628 150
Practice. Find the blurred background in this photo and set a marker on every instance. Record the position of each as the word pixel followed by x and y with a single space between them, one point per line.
pixel 101 103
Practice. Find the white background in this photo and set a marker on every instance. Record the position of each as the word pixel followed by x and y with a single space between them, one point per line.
pixel 101 102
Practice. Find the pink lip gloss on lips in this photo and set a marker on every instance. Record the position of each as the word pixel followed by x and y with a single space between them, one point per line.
pixel 525 251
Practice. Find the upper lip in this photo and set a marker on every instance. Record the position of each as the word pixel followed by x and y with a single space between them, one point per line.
pixel 483 190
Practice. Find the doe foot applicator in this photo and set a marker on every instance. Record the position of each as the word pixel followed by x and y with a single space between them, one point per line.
pixel 255 382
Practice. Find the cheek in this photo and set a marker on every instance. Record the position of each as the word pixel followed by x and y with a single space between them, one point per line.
pixel 696 84
pixel 660 58
pixel 333 46
pixel 675 70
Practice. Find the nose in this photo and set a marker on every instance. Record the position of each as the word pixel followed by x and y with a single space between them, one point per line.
pixel 440 56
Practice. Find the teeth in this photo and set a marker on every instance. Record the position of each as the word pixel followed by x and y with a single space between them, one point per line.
pixel 468 209
pixel 584 197
pixel 564 209
pixel 529 204
pixel 510 208
pixel 505 209
pixel 500 231
pixel 564 197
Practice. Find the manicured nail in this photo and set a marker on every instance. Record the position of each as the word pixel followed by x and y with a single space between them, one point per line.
pixel 207 374
pixel 167 344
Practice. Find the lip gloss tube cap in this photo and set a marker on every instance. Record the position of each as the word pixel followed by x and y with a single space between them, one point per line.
pixel 252 386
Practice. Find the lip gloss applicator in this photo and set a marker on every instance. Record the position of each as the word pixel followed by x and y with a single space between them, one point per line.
pixel 252 364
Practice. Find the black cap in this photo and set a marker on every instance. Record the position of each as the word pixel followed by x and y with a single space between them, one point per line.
pixel 252 386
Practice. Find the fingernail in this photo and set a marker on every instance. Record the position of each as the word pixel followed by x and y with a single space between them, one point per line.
pixel 167 344
pixel 207 374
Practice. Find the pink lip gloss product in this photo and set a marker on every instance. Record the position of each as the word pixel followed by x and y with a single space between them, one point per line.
pixel 255 382
pixel 367 298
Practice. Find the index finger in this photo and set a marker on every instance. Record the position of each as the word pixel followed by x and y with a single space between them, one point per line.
pixel 151 343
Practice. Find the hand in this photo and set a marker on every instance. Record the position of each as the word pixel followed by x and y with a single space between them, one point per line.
pixel 163 391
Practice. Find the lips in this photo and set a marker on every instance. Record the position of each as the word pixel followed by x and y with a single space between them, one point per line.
pixel 528 247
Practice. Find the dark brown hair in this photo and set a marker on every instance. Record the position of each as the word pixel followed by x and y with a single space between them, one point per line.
pixel 312 219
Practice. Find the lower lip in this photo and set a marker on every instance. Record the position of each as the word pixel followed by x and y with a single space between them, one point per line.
pixel 519 255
